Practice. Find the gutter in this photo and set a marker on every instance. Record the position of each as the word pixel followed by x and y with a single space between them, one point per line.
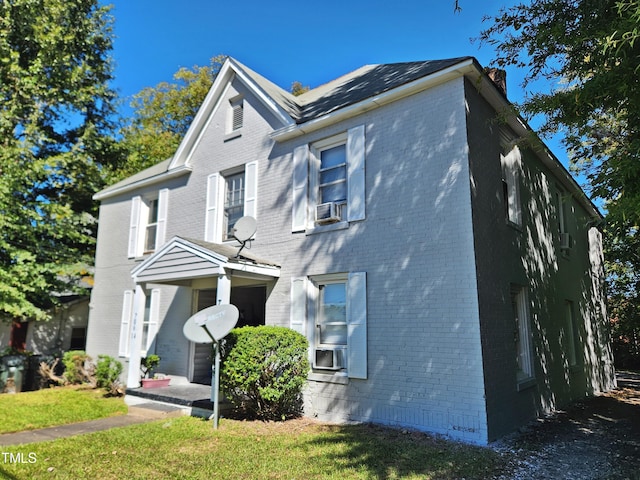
pixel 169 174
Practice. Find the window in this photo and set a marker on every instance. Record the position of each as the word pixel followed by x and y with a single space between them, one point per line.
pixel 564 238
pixel 331 310
pixel 331 318
pixel 522 334
pixel 148 223
pixel 329 181
pixel 233 204
pixel 149 323
pixel 151 229
pixel 570 334
pixel 78 338
pixel 511 186
pixel 230 196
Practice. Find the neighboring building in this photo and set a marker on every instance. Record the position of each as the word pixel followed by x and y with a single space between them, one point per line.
pixel 445 267
pixel 66 330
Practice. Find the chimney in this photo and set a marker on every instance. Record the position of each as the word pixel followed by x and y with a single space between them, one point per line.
pixel 498 77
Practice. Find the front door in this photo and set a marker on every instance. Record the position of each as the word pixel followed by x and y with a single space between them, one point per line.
pixel 251 305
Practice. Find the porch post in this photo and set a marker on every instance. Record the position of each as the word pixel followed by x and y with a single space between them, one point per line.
pixel 139 301
pixel 223 297
pixel 223 291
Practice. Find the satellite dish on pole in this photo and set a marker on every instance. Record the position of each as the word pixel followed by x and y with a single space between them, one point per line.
pixel 243 230
pixel 210 326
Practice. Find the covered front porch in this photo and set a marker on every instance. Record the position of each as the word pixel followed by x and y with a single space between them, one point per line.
pixel 205 274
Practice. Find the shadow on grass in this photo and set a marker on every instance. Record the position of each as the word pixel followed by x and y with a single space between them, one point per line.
pixel 383 453
pixel 6 475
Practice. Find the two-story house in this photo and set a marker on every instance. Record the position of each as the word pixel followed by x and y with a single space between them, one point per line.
pixel 444 266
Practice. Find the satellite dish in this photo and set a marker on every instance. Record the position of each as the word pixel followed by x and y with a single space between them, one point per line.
pixel 211 324
pixel 244 228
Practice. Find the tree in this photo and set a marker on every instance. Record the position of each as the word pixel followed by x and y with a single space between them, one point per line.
pixel 161 118
pixel 593 47
pixel 55 110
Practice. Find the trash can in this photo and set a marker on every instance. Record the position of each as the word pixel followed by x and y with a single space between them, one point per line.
pixel 11 373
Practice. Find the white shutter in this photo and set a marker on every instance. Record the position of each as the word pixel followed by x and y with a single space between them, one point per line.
pixel 251 189
pixel 300 188
pixel 154 318
pixel 357 325
pixel 355 171
pixel 163 205
pixel 134 227
pixel 298 314
pixel 125 322
pixel 211 227
pixel 511 166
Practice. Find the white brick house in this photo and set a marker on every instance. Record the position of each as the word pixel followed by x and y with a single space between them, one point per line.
pixel 444 266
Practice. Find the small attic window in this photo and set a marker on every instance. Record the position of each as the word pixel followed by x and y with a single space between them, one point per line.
pixel 236 114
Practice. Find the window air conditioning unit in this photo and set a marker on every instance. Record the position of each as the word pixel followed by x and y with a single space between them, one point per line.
pixel 329 358
pixel 329 212
pixel 566 241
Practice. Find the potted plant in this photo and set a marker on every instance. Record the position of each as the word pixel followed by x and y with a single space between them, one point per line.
pixel 149 378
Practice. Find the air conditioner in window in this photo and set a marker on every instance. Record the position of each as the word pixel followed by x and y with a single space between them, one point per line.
pixel 566 241
pixel 329 212
pixel 329 358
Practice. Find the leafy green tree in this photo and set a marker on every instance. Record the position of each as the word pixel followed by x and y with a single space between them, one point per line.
pixel 593 48
pixel 161 118
pixel 55 106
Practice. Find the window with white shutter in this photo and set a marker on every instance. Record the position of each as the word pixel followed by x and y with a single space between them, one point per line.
pixel 329 181
pixel 230 196
pixel 148 223
pixel 331 311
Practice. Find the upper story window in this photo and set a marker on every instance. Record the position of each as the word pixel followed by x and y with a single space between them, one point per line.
pixel 230 196
pixel 511 185
pixel 564 237
pixel 329 181
pixel 148 223
pixel 151 230
pixel 234 202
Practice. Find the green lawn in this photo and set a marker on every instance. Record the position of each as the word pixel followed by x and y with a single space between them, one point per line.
pixel 55 406
pixel 188 448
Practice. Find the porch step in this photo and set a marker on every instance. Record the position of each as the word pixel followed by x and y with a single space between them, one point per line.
pixel 192 399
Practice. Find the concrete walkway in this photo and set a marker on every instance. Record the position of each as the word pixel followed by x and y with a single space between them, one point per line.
pixel 142 413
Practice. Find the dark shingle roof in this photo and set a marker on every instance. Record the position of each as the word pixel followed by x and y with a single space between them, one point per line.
pixel 365 82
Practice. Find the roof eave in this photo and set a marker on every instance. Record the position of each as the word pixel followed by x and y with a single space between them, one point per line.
pixel 169 174
pixel 411 88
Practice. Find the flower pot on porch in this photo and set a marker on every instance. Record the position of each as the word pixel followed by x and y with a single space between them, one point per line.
pixel 155 382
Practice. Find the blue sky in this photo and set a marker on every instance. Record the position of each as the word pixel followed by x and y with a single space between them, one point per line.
pixel 312 42
pixel 285 41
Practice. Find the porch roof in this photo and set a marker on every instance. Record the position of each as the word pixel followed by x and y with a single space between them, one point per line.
pixel 184 259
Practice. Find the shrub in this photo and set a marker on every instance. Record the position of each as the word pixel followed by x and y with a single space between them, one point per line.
pixel 74 367
pixel 148 364
pixel 108 371
pixel 263 371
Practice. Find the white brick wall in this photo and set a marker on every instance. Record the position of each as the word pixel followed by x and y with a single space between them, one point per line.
pixel 416 245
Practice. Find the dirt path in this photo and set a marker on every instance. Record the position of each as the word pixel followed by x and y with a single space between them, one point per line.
pixel 598 438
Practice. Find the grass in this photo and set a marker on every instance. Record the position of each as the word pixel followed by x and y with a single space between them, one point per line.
pixel 55 406
pixel 188 448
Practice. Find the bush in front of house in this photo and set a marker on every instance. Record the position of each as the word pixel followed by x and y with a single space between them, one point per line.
pixel 108 371
pixel 76 370
pixel 263 371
